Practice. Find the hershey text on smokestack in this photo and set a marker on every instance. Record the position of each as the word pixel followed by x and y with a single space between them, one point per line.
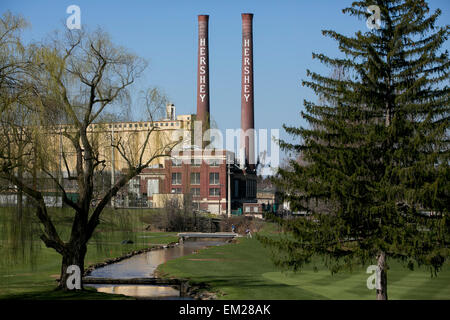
pixel 202 62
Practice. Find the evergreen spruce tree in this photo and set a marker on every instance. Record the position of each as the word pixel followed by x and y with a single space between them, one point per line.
pixel 374 174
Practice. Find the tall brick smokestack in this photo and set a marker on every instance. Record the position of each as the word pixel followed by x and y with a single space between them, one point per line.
pixel 247 105
pixel 203 72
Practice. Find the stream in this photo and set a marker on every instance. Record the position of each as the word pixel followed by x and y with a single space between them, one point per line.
pixel 144 265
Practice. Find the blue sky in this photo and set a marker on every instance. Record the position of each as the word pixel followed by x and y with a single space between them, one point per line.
pixel 286 32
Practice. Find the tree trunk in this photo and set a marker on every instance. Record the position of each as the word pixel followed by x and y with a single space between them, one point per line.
pixel 73 255
pixel 382 281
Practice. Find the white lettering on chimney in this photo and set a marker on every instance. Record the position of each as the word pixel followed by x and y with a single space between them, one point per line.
pixel 247 66
pixel 202 62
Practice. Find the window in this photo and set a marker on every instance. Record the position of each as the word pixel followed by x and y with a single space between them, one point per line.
pixel 195 191
pixel 140 125
pixel 196 162
pixel 195 177
pixel 250 188
pixel 152 186
pixel 214 178
pixel 130 125
pixel 247 209
pixel 176 178
pixel 176 190
pixel 145 124
pixel 214 192
pixel 214 162
pixel 176 162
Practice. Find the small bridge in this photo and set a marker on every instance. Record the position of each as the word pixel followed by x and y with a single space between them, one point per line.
pixel 182 284
pixel 198 235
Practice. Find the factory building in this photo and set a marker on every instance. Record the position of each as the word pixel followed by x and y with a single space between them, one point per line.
pixel 210 182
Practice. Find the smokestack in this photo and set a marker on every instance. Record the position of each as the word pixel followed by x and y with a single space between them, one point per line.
pixel 203 73
pixel 247 105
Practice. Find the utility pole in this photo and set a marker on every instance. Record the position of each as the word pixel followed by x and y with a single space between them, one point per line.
pixel 112 162
pixel 61 177
pixel 220 197
pixel 229 190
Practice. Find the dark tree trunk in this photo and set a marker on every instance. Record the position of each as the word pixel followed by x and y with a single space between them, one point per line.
pixel 381 263
pixel 73 255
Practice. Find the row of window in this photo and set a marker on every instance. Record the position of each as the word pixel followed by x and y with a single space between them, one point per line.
pixel 213 192
pixel 196 162
pixel 249 209
pixel 130 125
pixel 195 178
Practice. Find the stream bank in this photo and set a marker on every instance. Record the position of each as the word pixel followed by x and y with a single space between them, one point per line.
pixel 143 264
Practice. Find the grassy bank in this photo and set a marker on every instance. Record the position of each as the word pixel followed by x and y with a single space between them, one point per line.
pixel 245 271
pixel 28 269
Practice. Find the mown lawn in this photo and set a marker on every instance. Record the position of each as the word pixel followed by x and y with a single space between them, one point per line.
pixel 29 270
pixel 245 271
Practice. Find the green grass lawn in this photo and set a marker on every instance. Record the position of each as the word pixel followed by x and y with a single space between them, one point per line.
pixel 30 270
pixel 239 271
pixel 245 271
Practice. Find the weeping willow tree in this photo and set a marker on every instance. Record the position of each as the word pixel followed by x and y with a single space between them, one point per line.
pixel 68 85
pixel 17 225
pixel 374 174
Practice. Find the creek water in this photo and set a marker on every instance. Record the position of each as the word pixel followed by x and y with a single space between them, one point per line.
pixel 144 265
